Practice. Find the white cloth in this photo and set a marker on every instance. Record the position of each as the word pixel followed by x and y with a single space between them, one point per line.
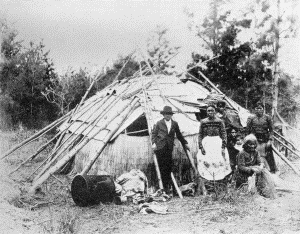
pixel 168 123
pixel 212 165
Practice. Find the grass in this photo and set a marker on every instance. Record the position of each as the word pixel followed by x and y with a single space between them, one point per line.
pixel 58 213
pixel 67 222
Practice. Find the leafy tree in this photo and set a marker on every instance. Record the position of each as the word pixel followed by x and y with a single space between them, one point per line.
pixel 287 98
pixel 68 89
pixel 271 24
pixel 229 59
pixel 242 70
pixel 24 74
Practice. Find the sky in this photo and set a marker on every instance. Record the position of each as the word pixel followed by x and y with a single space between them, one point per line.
pixel 87 33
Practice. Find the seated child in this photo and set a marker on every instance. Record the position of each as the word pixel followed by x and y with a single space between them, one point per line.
pixel 234 144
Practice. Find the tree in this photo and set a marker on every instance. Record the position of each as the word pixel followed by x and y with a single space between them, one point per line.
pixel 243 70
pixel 67 90
pixel 270 28
pixel 160 51
pixel 129 65
pixel 227 58
pixel 24 74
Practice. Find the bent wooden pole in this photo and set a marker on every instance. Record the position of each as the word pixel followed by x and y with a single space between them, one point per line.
pixel 286 161
pixel 37 135
pixel 176 186
pixel 125 111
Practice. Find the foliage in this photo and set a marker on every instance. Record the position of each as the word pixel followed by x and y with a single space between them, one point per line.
pixel 24 74
pixel 242 70
pixel 272 23
pixel 288 105
pixel 160 50
pixel 66 91
pixel 111 74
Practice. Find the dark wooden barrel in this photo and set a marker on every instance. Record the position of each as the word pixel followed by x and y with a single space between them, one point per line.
pixel 92 189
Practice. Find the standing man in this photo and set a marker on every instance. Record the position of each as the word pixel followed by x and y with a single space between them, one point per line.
pixel 163 142
pixel 262 127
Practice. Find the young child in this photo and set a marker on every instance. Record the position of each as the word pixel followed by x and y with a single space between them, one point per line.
pixel 234 141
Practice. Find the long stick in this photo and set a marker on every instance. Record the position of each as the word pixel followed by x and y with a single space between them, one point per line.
pixel 95 121
pixel 286 160
pixel 103 143
pixel 74 151
pixel 216 88
pixel 86 93
pixel 31 157
pixel 149 124
pixel 91 86
pixel 37 135
pixel 286 140
pixel 64 147
pixel 103 100
pixel 119 73
pixel 58 144
pixel 199 63
pixel 176 186
pixel 198 178
pixel 286 146
pixel 51 157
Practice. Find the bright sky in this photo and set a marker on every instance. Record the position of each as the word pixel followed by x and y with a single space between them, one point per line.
pixel 88 32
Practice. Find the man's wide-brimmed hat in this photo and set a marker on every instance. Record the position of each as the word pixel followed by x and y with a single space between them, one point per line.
pixel 167 110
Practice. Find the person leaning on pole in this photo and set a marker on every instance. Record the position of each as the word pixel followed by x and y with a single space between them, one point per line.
pixel 163 142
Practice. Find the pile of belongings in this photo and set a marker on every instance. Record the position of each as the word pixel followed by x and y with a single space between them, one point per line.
pixel 132 186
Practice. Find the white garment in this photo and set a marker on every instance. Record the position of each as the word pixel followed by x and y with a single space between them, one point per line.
pixel 168 123
pixel 212 165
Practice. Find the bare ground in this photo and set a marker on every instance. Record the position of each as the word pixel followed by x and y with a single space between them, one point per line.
pixel 53 211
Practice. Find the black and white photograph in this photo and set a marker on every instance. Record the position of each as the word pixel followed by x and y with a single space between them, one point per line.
pixel 149 116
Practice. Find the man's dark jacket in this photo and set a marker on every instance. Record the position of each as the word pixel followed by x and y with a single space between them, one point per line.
pixel 161 137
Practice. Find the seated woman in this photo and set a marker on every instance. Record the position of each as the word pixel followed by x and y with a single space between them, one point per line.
pixel 250 162
pixel 212 158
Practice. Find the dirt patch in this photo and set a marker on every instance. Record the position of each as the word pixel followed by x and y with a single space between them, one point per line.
pixel 52 209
